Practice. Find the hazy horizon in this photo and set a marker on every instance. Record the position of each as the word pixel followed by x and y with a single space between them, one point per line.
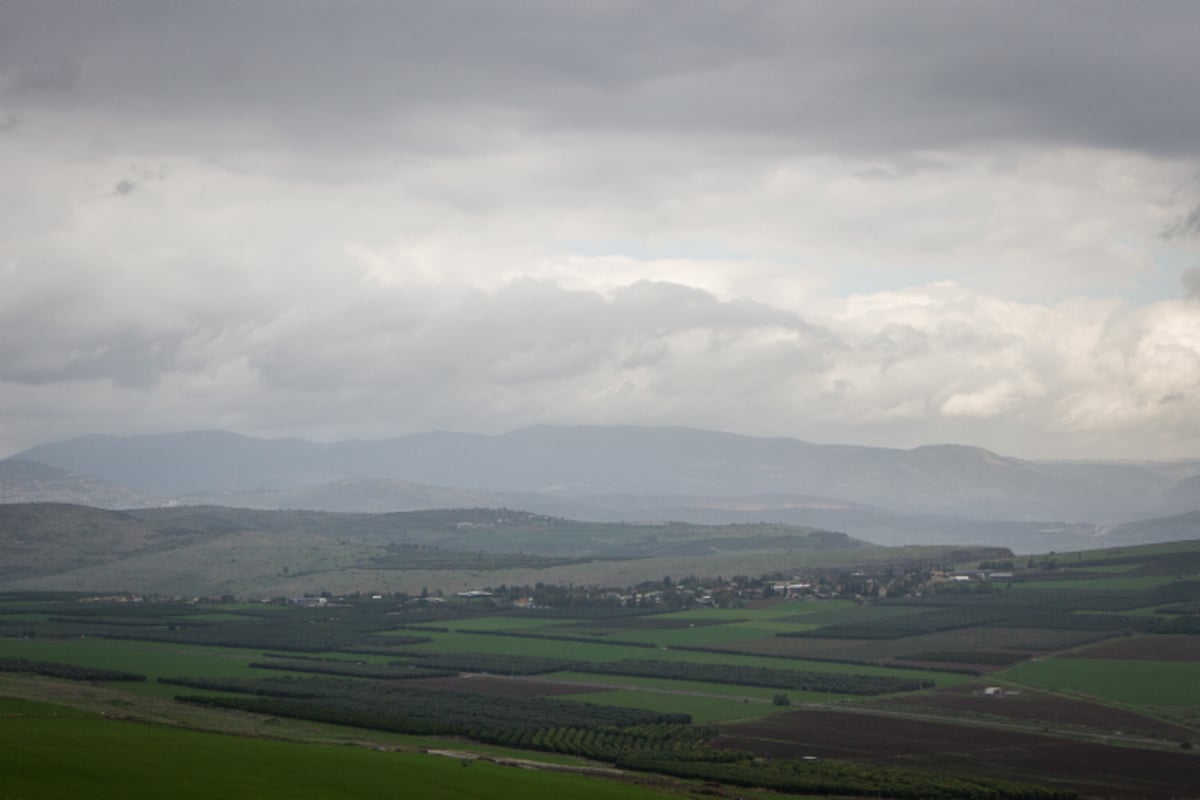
pixel 633 426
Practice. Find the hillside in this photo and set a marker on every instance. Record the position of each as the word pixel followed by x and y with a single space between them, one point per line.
pixel 32 482
pixel 214 550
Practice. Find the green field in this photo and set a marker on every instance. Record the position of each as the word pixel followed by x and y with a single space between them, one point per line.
pixel 1137 583
pixel 152 659
pixel 19 706
pixel 98 758
pixel 1166 683
pixel 602 652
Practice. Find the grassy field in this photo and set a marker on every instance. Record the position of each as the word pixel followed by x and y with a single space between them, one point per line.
pixel 602 652
pixel 1137 583
pixel 101 758
pixel 1136 682
pixel 152 659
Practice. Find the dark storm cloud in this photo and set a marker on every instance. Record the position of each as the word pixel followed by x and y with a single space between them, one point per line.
pixel 861 76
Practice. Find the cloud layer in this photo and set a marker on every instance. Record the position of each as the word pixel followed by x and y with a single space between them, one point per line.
pixel 888 224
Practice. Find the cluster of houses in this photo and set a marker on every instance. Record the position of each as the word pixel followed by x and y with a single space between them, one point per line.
pixel 979 575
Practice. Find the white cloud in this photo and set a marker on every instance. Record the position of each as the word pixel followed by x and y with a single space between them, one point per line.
pixel 776 219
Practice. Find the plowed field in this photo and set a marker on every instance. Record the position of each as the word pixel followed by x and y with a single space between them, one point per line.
pixel 1032 706
pixel 1148 648
pixel 1093 770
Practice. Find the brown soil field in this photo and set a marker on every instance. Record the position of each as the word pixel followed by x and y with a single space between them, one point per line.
pixel 1149 648
pixel 1093 770
pixel 513 687
pixel 1037 707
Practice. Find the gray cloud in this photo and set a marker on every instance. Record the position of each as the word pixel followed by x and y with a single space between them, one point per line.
pixel 1191 282
pixel 1186 226
pixel 332 219
pixel 905 75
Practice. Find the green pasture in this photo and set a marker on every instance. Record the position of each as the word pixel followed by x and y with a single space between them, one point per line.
pixel 1167 683
pixel 846 614
pixel 601 652
pixel 771 610
pixel 713 626
pixel 1138 583
pixel 105 759
pixel 152 659
pixel 698 636
pixel 20 706
pixel 503 622
pixel 1109 569
pixel 702 709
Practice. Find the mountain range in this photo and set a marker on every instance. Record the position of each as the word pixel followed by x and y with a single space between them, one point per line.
pixel 931 494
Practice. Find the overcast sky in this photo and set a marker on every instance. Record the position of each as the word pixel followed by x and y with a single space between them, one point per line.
pixel 888 223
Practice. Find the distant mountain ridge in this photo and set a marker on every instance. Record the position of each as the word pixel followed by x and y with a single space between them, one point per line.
pixel 32 482
pixel 577 466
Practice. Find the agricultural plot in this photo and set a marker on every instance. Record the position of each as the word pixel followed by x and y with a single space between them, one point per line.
pixel 599 652
pixel 1092 770
pixel 143 658
pixel 1144 648
pixel 700 693
pixel 1018 641
pixel 699 708
pixel 1102 584
pixel 1141 682
pixel 1041 710
pixel 682 635
pixel 112 760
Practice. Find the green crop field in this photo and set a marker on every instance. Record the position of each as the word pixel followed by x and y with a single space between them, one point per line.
pixel 1138 583
pixel 700 635
pixel 1170 683
pixel 152 659
pixel 602 652
pixel 19 706
pixel 99 759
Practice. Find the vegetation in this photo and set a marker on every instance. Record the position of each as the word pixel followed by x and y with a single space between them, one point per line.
pixel 71 672
pixel 421 711
pixel 578 678
pixel 349 669
pixel 107 759
pixel 966 657
pixel 840 683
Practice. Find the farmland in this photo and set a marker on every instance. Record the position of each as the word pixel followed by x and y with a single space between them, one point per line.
pixel 888 692
pixel 105 758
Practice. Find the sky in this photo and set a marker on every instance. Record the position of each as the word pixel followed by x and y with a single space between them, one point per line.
pixel 883 223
